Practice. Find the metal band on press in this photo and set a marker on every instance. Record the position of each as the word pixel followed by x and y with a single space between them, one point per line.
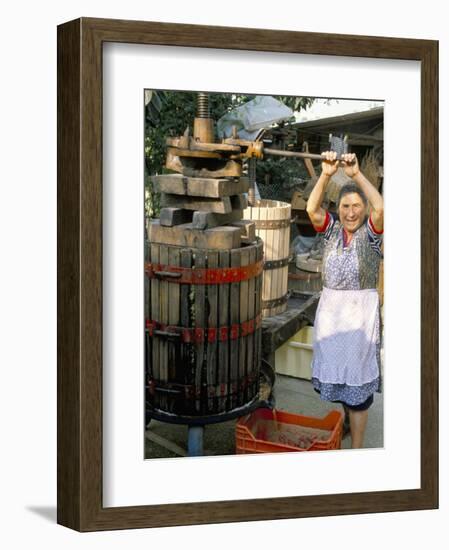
pixel 193 335
pixel 275 264
pixel 268 304
pixel 189 391
pixel 203 276
pixel 271 224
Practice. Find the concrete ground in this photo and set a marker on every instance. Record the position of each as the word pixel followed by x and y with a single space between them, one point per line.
pixel 291 394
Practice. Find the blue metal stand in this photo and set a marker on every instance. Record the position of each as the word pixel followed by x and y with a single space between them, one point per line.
pixel 195 441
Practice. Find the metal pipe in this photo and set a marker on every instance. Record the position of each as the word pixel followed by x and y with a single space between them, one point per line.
pixel 195 441
pixel 297 154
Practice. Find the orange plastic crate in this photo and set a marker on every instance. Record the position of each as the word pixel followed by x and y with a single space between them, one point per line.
pixel 271 431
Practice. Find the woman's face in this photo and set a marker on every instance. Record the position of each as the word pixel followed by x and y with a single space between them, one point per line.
pixel 351 212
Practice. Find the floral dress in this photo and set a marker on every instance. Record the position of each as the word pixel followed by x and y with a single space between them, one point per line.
pixel 346 345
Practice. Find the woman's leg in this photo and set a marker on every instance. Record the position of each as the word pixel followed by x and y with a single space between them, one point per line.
pixel 358 420
pixel 346 423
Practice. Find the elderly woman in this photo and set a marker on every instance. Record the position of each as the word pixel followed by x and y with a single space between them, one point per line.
pixel 346 352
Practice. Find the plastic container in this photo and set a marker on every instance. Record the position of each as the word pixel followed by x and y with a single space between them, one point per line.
pixel 294 357
pixel 271 431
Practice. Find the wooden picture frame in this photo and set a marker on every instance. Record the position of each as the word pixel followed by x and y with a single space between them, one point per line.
pixel 80 274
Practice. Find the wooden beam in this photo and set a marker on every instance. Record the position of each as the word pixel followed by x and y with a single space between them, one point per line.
pixel 223 205
pixel 203 204
pixel 177 184
pixel 223 238
pixel 204 220
pixel 174 216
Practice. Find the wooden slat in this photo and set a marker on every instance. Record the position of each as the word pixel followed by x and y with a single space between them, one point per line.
pixel 223 238
pixel 275 233
pixel 257 310
pixel 223 347
pixel 250 338
pixel 268 275
pixel 279 234
pixel 257 305
pixel 147 258
pixel 268 240
pixel 286 253
pixel 163 344
pixel 212 321
pixel 234 344
pixel 178 184
pixel 154 248
pixel 147 315
pixel 185 372
pixel 173 352
pixel 284 250
pixel 267 236
pixel 244 287
pixel 280 254
pixel 200 322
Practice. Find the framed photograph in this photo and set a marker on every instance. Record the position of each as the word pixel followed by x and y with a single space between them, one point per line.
pixel 206 193
pixel 112 75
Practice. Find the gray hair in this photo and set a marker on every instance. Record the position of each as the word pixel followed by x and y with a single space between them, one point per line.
pixel 351 188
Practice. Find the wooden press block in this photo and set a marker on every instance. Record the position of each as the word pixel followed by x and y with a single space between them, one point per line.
pixel 239 202
pixel 248 229
pixel 175 216
pixel 204 204
pixel 224 238
pixel 204 220
pixel 231 168
pixel 177 184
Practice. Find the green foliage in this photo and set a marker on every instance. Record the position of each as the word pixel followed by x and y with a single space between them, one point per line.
pixel 295 103
pixel 152 197
pixel 276 177
pixel 175 112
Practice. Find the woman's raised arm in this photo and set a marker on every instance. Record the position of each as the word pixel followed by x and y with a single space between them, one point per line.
pixel 351 167
pixel 315 212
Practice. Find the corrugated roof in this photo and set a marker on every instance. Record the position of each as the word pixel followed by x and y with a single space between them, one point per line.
pixel 337 120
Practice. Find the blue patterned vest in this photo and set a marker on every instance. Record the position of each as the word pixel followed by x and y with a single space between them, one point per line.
pixel 355 267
